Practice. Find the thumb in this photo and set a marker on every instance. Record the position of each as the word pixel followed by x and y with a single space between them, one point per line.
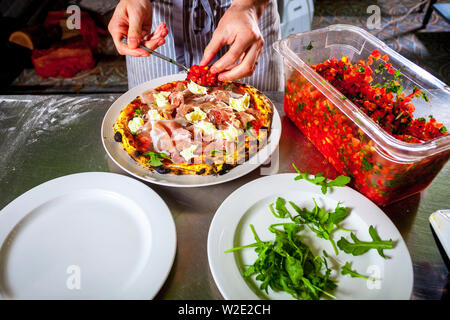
pixel 134 29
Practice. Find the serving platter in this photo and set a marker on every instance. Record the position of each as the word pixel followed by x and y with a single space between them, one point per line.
pixel 93 235
pixel 126 163
pixel 250 205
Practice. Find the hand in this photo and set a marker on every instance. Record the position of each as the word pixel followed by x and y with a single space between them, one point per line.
pixel 133 19
pixel 238 28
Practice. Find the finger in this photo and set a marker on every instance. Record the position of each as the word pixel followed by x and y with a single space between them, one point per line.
pixel 117 33
pixel 212 48
pixel 161 30
pixel 135 23
pixel 231 57
pixel 157 37
pixel 153 44
pixel 246 68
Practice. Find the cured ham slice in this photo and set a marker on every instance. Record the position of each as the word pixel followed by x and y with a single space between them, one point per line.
pixel 244 118
pixel 221 117
pixel 147 97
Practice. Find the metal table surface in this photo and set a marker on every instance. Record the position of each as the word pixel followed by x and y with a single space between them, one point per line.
pixel 45 137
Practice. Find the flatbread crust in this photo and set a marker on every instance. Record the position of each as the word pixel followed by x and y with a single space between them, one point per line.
pixel 255 138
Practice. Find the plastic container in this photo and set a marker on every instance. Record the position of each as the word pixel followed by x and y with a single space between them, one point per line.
pixel 382 167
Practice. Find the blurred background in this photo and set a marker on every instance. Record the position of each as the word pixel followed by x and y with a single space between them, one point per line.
pixel 43 55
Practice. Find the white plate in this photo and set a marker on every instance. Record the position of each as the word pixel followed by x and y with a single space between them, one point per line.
pixel 124 161
pixel 249 205
pixel 86 236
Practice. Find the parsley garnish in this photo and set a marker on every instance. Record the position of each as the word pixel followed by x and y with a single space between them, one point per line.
pixel 310 46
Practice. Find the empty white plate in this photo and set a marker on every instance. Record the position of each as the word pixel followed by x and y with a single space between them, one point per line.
pixel 86 236
pixel 250 205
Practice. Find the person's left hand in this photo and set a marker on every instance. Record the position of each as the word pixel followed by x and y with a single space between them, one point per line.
pixel 238 28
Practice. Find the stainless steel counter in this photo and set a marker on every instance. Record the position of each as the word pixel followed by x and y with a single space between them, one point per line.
pixel 45 137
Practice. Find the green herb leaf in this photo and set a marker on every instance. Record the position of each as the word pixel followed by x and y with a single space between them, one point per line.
pixel 321 181
pixel 347 270
pixel 359 247
pixel 215 151
pixel 310 46
pixel 156 159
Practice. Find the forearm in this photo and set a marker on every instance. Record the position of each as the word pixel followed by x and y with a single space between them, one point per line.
pixel 256 6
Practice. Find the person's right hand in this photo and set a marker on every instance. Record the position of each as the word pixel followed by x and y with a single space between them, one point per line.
pixel 133 19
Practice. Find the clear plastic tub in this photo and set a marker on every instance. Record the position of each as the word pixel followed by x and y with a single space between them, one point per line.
pixel 383 168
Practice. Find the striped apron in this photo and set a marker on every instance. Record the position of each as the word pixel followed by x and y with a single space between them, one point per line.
pixel 191 24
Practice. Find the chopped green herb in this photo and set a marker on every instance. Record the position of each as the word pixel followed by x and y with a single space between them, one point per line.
pixel 310 46
pixel 367 166
pixel 300 107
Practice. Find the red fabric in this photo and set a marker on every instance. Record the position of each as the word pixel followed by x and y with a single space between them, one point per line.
pixel 68 60
pixel 88 28
pixel 63 62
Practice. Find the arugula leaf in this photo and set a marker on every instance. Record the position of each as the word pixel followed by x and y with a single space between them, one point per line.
pixel 322 223
pixel 280 207
pixel 360 247
pixel 346 269
pixel 287 264
pixel 321 181
pixel 156 159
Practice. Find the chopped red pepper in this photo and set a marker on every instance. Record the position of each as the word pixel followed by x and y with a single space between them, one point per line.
pixel 203 76
pixel 346 146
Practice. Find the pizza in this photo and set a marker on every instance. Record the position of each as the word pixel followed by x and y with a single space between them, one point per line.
pixel 186 129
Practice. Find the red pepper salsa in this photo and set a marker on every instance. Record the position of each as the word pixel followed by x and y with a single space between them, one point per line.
pixel 203 76
pixel 375 173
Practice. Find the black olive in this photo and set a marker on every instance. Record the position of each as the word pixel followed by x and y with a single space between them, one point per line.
pixel 200 172
pixel 118 137
pixel 162 170
pixel 138 153
pixel 225 168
